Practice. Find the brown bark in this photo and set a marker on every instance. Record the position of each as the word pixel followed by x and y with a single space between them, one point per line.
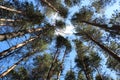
pixel 114 28
pixel 50 5
pixel 19 33
pixel 12 67
pixel 110 52
pixel 9 9
pixel 85 69
pixel 50 72
pixel 17 46
pixel 8 20
pixel 59 72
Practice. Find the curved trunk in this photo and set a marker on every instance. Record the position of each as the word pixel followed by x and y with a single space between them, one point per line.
pixel 9 9
pixel 17 34
pixel 110 52
pixel 4 53
pixel 50 5
pixel 12 67
pixel 114 28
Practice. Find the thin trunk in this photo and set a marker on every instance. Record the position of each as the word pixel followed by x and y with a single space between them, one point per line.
pixel 50 5
pixel 12 67
pixel 9 9
pixel 50 72
pixel 110 52
pixel 2 54
pixel 19 33
pixel 8 20
pixel 85 70
pixel 59 73
pixel 115 29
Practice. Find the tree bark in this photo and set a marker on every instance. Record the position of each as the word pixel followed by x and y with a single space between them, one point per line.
pixel 50 5
pixel 85 69
pixel 17 46
pixel 8 20
pixel 59 73
pixel 114 28
pixel 19 33
pixel 12 67
pixel 110 52
pixel 9 9
pixel 50 72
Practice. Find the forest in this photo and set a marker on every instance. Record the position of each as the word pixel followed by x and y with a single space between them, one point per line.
pixel 59 39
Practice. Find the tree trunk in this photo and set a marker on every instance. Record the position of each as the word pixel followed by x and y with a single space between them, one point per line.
pixel 114 28
pixel 59 73
pixel 2 54
pixel 9 9
pixel 50 5
pixel 50 72
pixel 19 33
pixel 8 20
pixel 12 67
pixel 110 52
pixel 85 70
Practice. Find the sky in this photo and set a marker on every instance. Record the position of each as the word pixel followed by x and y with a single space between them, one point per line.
pixel 67 32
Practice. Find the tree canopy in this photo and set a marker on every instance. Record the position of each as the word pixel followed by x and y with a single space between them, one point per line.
pixel 38 38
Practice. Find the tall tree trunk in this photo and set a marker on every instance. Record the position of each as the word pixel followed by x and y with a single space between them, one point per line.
pixel 114 28
pixel 2 54
pixel 12 67
pixel 85 69
pixel 59 72
pixel 50 71
pixel 9 9
pixel 110 52
pixel 19 33
pixel 50 5
pixel 8 20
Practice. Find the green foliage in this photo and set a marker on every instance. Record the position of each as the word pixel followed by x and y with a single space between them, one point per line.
pixel 61 41
pixel 80 76
pixel 43 64
pixel 60 24
pixel 105 77
pixel 63 11
pixel 21 74
pixel 40 45
pixel 84 14
pixel 70 75
pixel 86 60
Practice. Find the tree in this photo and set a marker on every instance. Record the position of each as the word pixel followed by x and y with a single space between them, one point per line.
pixel 9 9
pixel 110 52
pixel 18 34
pixel 87 14
pixel 28 14
pixel 43 68
pixel 86 63
pixel 17 63
pixel 61 41
pixel 70 75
